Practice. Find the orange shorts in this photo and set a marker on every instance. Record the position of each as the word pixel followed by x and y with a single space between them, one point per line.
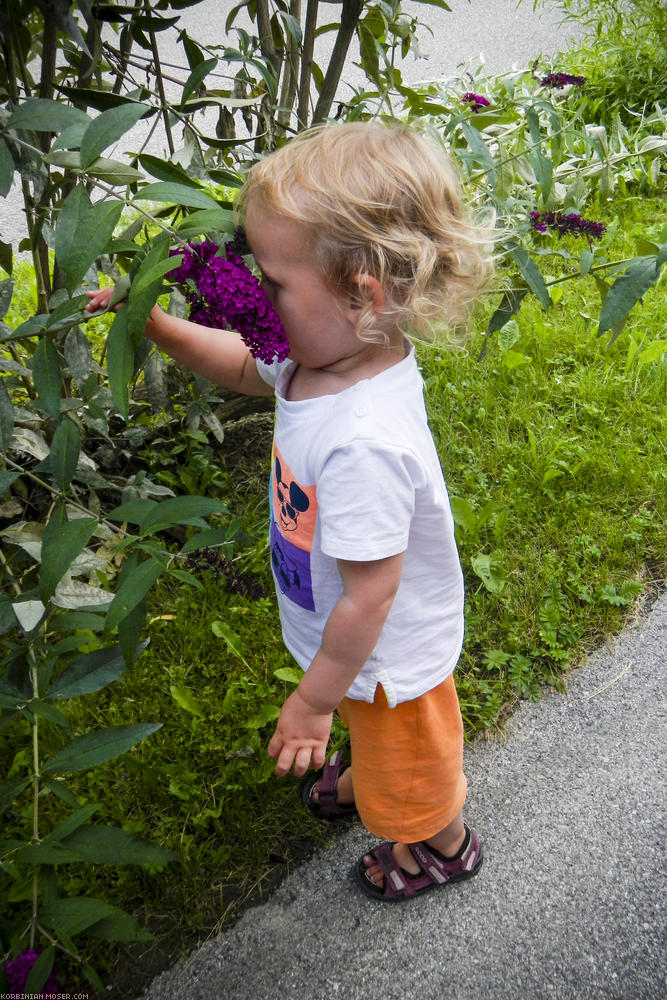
pixel 407 762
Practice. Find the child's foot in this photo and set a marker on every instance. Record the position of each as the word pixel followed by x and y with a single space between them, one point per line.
pixel 388 874
pixel 329 793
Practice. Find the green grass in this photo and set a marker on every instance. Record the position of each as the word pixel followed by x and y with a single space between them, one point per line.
pixel 557 473
pixel 553 449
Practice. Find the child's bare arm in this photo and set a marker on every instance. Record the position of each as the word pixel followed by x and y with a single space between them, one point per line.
pixel 218 355
pixel 350 635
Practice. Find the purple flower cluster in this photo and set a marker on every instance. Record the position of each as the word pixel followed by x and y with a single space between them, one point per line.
pixel 563 224
pixel 224 293
pixel 559 80
pixel 235 580
pixel 474 101
pixel 18 970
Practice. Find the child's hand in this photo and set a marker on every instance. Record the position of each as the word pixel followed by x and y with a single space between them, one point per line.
pixel 301 734
pixel 106 298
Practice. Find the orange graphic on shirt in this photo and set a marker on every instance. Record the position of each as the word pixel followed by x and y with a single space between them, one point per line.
pixel 294 505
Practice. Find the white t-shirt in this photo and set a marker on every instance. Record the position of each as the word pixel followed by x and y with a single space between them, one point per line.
pixel 356 476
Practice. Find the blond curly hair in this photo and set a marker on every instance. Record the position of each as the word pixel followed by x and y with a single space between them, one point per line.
pixel 382 200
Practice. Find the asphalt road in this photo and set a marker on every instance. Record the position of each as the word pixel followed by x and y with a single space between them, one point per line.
pixel 569 904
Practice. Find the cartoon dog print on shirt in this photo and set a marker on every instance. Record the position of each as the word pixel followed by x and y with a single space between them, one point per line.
pixel 293 516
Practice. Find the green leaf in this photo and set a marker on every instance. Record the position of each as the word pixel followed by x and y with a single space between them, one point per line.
pixel 206 220
pixel 6 480
pixel 46 376
pixel 40 115
pixel 120 362
pixel 63 541
pixel 231 639
pixel 10 791
pixel 129 633
pixel 629 288
pixel 211 537
pixel 74 914
pixel 64 455
pixel 480 150
pixel 6 169
pixel 106 845
pixel 175 194
pixel 107 128
pixel 119 926
pixel 71 823
pixel 83 230
pixel 143 296
pixel 97 748
pixel 489 569
pixel 6 418
pixel 90 672
pixel 112 171
pixel 196 76
pixel 51 714
pixel 180 510
pixel 531 274
pixel 134 512
pixel 40 972
pixel 289 674
pixel 186 700
pixel 132 590
pixel 164 170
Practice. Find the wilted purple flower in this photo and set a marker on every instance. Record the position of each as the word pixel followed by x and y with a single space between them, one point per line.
pixel 18 970
pixel 222 569
pixel 474 101
pixel 559 80
pixel 223 293
pixel 562 224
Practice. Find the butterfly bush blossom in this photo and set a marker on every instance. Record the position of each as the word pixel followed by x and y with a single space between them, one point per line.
pixel 559 80
pixel 224 293
pixel 563 224
pixel 474 101
pixel 18 970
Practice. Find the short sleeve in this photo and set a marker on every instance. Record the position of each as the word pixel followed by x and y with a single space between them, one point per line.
pixel 366 501
pixel 271 373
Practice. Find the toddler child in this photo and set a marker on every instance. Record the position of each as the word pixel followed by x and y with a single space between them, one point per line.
pixel 361 237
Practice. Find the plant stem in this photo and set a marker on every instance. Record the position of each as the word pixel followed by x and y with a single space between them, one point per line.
pixel 160 83
pixel 35 797
pixel 307 62
pixel 348 22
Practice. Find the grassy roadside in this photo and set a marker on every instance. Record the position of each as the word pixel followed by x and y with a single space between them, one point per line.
pixel 554 455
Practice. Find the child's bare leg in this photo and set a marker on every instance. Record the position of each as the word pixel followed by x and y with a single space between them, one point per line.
pixel 447 842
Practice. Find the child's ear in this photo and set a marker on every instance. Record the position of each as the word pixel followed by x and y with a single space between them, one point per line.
pixel 367 290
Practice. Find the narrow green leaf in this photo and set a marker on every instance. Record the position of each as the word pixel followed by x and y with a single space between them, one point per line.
pixel 132 590
pixel 63 541
pixel 10 791
pixel 90 672
pixel 41 115
pixel 97 748
pixel 6 480
pixel 120 362
pixel 629 288
pixel 531 274
pixel 129 633
pixel 289 674
pixel 6 418
pixel 106 845
pixel 6 169
pixel 175 194
pixel 164 170
pixel 6 257
pixel 107 128
pixel 196 76
pixel 74 914
pixel 119 926
pixel 46 376
pixel 46 854
pixel 112 171
pixel 83 230
pixel 40 972
pixel 50 713
pixel 64 456
pixel 71 823
pixel 231 639
pixel 186 700
pixel 143 296
pixel 210 537
pixel 134 512
pixel 180 510
pixel 480 150
pixel 206 220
